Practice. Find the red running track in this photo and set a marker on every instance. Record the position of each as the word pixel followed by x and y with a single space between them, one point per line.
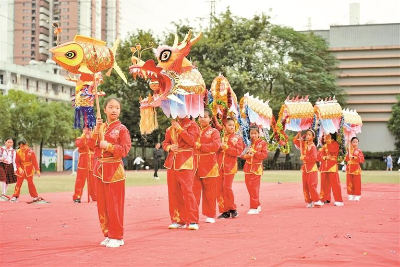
pixel 63 233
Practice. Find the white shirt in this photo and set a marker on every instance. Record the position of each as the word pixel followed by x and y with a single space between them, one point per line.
pixel 138 160
pixel 8 156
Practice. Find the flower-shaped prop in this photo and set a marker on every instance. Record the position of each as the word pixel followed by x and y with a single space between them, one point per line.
pixel 87 57
pixel 222 101
pixel 178 87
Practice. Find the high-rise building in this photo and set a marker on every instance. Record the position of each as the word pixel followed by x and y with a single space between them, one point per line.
pixel 32 24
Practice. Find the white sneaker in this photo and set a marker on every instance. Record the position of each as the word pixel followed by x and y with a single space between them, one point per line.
pixel 357 198
pixel 209 220
pixel 351 197
pixel 14 199
pixel 318 203
pixel 310 205
pixel 115 243
pixel 253 211
pixel 193 226
pixel 104 242
pixel 177 226
pixel 156 178
pixel 338 204
pixel 259 208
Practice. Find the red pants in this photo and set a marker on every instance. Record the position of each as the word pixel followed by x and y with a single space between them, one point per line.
pixel 80 183
pixel 353 184
pixel 208 188
pixel 183 208
pixel 110 207
pixel 225 197
pixel 253 187
pixel 330 180
pixel 31 186
pixel 310 183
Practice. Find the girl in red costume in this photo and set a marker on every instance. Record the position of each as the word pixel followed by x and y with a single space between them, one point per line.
pixel 253 168
pixel 309 168
pixel 27 165
pixel 180 142
pixel 205 179
pixel 353 177
pixel 85 167
pixel 327 156
pixel 231 148
pixel 111 142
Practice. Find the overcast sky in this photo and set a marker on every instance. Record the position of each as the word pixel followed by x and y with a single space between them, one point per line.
pixel 156 15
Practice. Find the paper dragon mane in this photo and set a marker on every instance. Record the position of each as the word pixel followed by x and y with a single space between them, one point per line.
pixel 178 87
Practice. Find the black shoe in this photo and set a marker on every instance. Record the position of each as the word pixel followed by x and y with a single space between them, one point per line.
pixel 224 215
pixel 77 200
pixel 327 201
pixel 234 213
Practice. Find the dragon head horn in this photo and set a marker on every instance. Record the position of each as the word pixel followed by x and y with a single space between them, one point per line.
pixel 187 40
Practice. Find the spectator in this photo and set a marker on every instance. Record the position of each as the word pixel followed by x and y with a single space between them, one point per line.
pixel 137 162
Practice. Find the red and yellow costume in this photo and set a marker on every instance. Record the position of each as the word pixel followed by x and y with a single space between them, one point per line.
pixel 181 167
pixel 26 166
pixel 232 147
pixel 309 170
pixel 253 169
pixel 329 171
pixel 85 169
pixel 353 169
pixel 205 179
pixel 109 169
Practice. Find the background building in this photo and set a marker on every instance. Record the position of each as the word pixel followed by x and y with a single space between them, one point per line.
pixel 369 71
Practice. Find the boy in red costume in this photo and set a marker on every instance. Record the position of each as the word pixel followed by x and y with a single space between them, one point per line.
pixel 206 175
pixel 309 168
pixel 253 168
pixel 353 177
pixel 180 142
pixel 231 148
pixel 327 156
pixel 85 167
pixel 111 142
pixel 27 165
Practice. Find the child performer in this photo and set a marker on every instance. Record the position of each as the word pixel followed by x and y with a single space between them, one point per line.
pixel 7 167
pixel 85 167
pixel 206 175
pixel 231 148
pixel 353 177
pixel 180 142
pixel 111 142
pixel 27 165
pixel 327 156
pixel 309 168
pixel 253 168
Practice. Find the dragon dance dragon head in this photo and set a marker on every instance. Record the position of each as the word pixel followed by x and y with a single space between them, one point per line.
pixel 178 87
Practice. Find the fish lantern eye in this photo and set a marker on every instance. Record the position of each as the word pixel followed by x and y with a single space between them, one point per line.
pixel 70 54
pixel 165 55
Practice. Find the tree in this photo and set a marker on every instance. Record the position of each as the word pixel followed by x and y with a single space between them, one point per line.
pixel 394 123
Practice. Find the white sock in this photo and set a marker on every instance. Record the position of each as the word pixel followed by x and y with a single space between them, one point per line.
pixel 3 187
pixel 5 190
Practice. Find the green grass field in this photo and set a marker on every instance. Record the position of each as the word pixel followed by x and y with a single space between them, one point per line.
pixel 65 182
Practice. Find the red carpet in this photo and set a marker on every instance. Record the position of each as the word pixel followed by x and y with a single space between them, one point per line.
pixel 63 233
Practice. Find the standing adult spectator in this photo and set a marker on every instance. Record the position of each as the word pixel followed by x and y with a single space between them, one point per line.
pixel 157 155
pixel 389 163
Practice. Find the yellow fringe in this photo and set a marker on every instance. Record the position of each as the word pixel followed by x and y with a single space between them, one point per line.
pixel 148 120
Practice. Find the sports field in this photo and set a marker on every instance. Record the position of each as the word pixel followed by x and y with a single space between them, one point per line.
pixel 285 233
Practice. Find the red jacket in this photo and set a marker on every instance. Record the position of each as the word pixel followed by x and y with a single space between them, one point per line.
pixel 86 159
pixel 108 162
pixel 186 139
pixel 310 156
pixel 26 162
pixel 206 155
pixel 353 164
pixel 254 165
pixel 229 152
pixel 328 165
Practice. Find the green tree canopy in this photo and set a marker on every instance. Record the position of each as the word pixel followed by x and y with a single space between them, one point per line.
pixel 394 123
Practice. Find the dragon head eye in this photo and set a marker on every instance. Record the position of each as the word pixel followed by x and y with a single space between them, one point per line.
pixel 70 54
pixel 165 55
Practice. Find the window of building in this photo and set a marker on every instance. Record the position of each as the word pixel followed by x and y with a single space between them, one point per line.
pixel 65 23
pixel 27 84
pixel 62 89
pixel 65 16
pixel 37 86
pixel 26 18
pixel 71 91
pixel 33 32
pixel 27 4
pixel 32 53
pixel 25 45
pixel 25 11
pixel 33 47
pixel 47 87
pixel 65 10
pixel 26 32
pixel 1 79
pixel 25 24
pixel 26 38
